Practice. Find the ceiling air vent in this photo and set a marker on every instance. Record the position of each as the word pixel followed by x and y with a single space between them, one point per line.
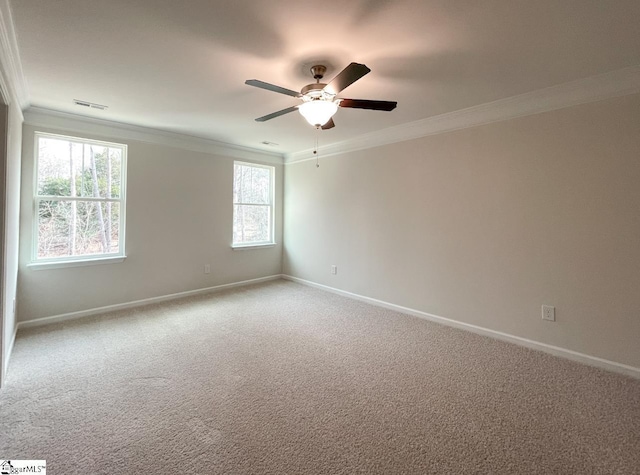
pixel 91 105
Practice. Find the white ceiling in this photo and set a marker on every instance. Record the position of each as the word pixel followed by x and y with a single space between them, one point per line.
pixel 180 66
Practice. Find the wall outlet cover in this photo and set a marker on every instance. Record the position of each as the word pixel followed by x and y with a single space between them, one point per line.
pixel 549 313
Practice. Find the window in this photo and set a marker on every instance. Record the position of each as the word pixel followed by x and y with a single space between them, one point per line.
pixel 79 199
pixel 252 204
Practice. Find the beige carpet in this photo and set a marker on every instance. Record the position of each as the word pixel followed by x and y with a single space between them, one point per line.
pixel 284 379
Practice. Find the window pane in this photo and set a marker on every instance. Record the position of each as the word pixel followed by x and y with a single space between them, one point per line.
pixel 53 228
pixel 252 184
pixel 251 224
pixel 55 167
pixel 102 171
pixel 73 169
pixel 76 228
pixel 98 170
pixel 115 172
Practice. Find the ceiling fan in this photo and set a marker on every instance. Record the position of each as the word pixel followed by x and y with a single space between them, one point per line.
pixel 319 101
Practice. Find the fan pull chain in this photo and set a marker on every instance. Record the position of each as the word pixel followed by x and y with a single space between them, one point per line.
pixel 315 150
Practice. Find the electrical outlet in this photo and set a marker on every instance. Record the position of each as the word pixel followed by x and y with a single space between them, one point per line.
pixel 334 270
pixel 549 313
pixel 207 269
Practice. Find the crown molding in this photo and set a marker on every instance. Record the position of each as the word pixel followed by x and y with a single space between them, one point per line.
pixel 41 117
pixel 592 89
pixel 12 80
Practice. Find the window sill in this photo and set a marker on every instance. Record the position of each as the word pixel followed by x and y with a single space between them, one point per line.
pixel 243 247
pixel 74 263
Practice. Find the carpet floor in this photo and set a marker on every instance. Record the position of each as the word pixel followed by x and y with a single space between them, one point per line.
pixel 280 378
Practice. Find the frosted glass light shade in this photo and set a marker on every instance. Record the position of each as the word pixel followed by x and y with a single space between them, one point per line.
pixel 318 112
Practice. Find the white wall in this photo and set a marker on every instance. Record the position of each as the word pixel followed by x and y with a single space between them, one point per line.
pixel 179 217
pixel 484 225
pixel 11 231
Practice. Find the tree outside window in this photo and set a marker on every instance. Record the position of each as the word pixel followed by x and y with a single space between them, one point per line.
pixel 252 204
pixel 79 198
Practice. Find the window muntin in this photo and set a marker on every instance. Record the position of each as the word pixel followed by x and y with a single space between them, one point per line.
pixel 252 204
pixel 79 199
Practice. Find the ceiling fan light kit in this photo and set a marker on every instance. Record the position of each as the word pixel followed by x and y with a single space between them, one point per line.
pixel 318 112
pixel 319 102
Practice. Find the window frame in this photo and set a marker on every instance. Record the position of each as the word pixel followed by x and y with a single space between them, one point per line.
pixel 272 177
pixel 85 259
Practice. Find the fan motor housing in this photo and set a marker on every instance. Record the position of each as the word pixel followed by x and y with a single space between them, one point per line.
pixel 312 89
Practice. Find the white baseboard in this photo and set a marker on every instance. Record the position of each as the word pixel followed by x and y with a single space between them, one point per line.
pixel 536 345
pixel 138 303
pixel 554 350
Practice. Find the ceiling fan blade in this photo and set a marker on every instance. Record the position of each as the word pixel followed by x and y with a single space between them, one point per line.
pixel 271 87
pixel 372 105
pixel 329 125
pixel 276 114
pixel 347 76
